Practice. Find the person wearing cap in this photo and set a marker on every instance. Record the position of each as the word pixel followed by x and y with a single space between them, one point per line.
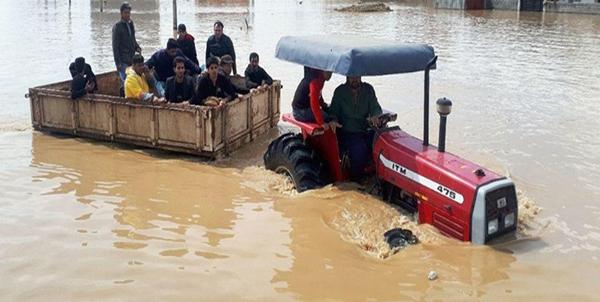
pixel 84 79
pixel 138 80
pixel 225 69
pixel 186 43
pixel 124 44
pixel 162 63
pixel 219 44
pixel 213 84
pixel 256 75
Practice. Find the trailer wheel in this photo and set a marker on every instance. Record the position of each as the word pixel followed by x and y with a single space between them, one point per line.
pixel 289 155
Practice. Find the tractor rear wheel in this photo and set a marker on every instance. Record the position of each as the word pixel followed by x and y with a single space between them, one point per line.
pixel 291 156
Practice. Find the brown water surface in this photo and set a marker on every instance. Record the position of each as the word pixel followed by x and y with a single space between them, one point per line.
pixel 82 220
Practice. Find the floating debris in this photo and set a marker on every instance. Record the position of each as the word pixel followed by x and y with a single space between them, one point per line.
pixel 399 238
pixel 365 8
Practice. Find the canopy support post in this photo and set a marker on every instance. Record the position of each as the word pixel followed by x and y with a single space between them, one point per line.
pixel 175 19
pixel 426 103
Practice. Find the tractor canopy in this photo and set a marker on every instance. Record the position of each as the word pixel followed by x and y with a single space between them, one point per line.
pixel 355 56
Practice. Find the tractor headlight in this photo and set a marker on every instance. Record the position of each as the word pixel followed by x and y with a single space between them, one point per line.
pixel 509 220
pixel 493 226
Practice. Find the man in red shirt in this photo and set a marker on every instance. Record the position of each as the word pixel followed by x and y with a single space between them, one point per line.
pixel 308 104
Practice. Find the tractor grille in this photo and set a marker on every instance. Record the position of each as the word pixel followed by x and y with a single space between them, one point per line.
pixel 501 212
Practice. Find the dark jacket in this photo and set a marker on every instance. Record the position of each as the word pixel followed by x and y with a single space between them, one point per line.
pixel 188 47
pixel 88 74
pixel 223 89
pixel 220 47
pixel 255 77
pixel 302 97
pixel 184 93
pixel 123 42
pixel 163 64
pixel 78 86
pixel 241 88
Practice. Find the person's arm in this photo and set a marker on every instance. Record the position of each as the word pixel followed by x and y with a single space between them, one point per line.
pixel 315 94
pixel 189 64
pixel 169 90
pixel 207 55
pixel 335 109
pixel 153 61
pixel 89 73
pixel 229 89
pixel 232 51
pixel 194 57
pixel 90 77
pixel 201 92
pixel 78 88
pixel 374 107
pixel 265 76
pixel 249 83
pixel 72 70
pixel 116 47
pixel 189 89
pixel 135 43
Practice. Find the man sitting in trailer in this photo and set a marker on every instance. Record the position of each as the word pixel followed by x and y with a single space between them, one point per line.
pixel 225 68
pixel 162 63
pixel 84 80
pixel 213 84
pixel 355 106
pixel 137 82
pixel 180 87
pixel 255 75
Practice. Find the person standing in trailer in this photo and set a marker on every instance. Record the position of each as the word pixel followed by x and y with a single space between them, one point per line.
pixel 124 44
pixel 219 45
pixel 186 43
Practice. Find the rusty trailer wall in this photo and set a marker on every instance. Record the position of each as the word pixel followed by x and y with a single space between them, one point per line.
pixel 200 130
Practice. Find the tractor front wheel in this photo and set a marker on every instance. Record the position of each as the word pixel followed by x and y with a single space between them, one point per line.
pixel 291 156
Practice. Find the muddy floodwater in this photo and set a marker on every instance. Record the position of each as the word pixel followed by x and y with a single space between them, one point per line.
pixel 82 220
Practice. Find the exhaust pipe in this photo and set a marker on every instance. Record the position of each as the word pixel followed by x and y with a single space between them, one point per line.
pixel 444 106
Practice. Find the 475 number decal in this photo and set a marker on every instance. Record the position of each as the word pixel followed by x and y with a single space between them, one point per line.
pixel 447 192
pixel 441 189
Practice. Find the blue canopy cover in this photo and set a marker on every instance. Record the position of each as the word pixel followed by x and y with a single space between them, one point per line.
pixel 353 56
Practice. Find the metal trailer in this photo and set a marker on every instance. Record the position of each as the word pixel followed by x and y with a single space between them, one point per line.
pixel 199 130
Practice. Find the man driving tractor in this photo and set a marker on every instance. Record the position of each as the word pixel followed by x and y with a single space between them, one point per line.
pixel 355 106
pixel 460 198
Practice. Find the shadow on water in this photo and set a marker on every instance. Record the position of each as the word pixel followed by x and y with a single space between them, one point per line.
pixel 148 190
pixel 180 216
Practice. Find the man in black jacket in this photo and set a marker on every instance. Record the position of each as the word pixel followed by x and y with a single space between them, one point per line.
pixel 80 66
pixel 124 44
pixel 213 84
pixel 84 80
pixel 180 87
pixel 219 45
pixel 256 75
pixel 186 43
pixel 162 63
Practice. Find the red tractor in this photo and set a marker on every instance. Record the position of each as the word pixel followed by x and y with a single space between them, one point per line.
pixel 460 198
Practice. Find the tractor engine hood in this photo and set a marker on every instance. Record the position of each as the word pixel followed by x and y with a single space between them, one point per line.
pixel 460 198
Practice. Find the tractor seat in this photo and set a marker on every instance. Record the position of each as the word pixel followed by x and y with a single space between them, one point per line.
pixel 310 128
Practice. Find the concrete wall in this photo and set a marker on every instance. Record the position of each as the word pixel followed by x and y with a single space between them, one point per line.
pixel 502 4
pixel 577 8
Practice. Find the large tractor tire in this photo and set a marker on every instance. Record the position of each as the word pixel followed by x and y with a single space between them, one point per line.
pixel 291 156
